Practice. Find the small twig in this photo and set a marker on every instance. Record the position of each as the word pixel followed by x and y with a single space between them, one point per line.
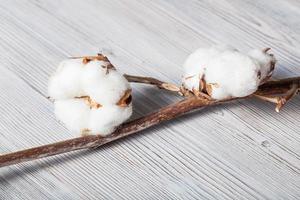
pixel 153 81
pixel 278 86
pixel 172 111
pixel 280 95
pixel 163 85
pixel 280 101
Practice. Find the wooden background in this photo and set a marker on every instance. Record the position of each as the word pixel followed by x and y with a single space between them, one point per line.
pixel 243 150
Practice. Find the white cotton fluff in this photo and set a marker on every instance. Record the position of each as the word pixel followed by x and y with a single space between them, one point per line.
pixel 74 113
pixel 73 92
pixel 235 75
pixel 266 62
pixel 226 71
pixel 103 87
pixel 64 84
pixel 105 119
pixel 78 116
pixel 197 62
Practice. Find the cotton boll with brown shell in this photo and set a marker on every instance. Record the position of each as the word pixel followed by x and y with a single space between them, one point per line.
pixel 92 99
pixel 224 72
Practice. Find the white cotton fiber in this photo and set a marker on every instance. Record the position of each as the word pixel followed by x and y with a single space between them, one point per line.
pixel 196 64
pixel 65 83
pixel 74 113
pixel 104 120
pixel 87 96
pixel 235 75
pixel 226 72
pixel 103 87
pixel 266 61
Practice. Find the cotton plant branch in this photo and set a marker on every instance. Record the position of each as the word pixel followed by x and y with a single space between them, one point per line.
pixel 290 87
pixel 284 88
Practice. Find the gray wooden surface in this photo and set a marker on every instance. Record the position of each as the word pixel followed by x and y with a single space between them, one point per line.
pixel 242 150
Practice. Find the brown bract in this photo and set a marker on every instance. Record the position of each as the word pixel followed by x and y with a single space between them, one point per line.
pixel 125 99
pixel 99 57
pixel 91 103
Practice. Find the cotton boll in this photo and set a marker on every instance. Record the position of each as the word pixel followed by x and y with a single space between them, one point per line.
pixel 104 120
pixel 223 72
pixel 65 83
pixel 232 74
pixel 74 113
pixel 105 88
pixel 91 97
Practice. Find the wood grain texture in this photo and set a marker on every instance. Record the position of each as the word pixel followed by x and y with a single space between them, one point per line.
pixel 239 151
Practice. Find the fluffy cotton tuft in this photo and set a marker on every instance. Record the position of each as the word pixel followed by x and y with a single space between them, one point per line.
pixel 74 113
pixel 64 83
pixel 105 120
pixel 223 72
pixel 90 96
pixel 101 86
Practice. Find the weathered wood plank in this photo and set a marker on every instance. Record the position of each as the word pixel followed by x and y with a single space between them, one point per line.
pixel 241 151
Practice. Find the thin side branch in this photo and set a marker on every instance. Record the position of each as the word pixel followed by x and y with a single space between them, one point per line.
pixel 153 81
pixel 278 87
pixel 172 111
pixel 280 101
pixel 281 95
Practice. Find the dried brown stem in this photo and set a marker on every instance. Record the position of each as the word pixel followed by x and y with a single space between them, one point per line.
pixel 152 81
pixel 172 111
pixel 280 101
